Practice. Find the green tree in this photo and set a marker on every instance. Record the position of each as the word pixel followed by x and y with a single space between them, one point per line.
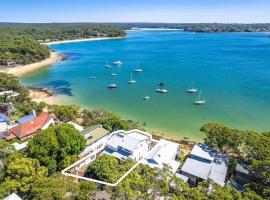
pixel 104 168
pixel 65 113
pixel 56 147
pixel 20 175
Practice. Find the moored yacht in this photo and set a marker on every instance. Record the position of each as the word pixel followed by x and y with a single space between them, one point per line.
pixel 192 89
pixel 118 62
pixel 146 98
pixel 107 65
pixel 161 90
pixel 113 85
pixel 131 81
pixel 199 101
pixel 138 69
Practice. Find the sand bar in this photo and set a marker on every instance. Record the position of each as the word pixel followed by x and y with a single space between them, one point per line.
pixel 82 40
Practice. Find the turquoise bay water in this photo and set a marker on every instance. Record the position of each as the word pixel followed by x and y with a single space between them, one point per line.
pixel 231 69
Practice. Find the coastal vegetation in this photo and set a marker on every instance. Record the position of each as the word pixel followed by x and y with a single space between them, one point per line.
pixel 21 49
pixel 201 27
pixel 20 43
pixel 61 31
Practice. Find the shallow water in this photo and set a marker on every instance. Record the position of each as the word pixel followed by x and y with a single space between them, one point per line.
pixel 231 69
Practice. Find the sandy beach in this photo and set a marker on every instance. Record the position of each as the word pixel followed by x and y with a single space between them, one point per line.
pixel 23 69
pixel 39 95
pixel 82 40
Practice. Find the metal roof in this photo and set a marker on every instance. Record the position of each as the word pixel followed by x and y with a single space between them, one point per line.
pixel 4 117
pixel 207 163
pixel 26 118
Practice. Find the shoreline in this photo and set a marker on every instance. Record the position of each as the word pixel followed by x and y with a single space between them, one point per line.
pixel 44 95
pixel 24 69
pixel 82 40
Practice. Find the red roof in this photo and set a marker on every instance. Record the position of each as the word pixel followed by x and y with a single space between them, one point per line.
pixel 29 128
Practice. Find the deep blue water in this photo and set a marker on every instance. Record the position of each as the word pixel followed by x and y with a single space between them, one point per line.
pixel 231 69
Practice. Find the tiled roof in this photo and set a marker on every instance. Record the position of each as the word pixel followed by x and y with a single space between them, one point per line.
pixel 29 128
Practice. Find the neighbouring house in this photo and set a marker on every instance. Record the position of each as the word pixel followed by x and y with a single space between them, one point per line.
pixel 132 144
pixel 205 163
pixel 6 93
pixel 96 138
pixel 4 121
pixel 164 152
pixel 8 63
pixel 242 175
pixel 27 129
pixel 13 196
pixel 4 117
pixel 76 126
pixel 20 146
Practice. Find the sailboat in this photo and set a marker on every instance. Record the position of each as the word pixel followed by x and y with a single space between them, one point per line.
pixel 192 89
pixel 131 81
pixel 138 69
pixel 107 65
pixel 199 101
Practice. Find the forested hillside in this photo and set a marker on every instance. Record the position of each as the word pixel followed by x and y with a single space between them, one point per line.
pixel 20 43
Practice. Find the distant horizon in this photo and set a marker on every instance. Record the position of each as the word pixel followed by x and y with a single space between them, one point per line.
pixel 135 22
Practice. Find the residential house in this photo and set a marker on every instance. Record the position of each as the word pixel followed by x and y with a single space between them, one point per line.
pixel 163 153
pixel 20 146
pixel 205 163
pixel 27 129
pixel 4 121
pixel 96 138
pixel 13 196
pixel 76 126
pixel 132 144
pixel 243 175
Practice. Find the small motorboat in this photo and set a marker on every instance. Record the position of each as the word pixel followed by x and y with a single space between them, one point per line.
pixel 113 85
pixel 113 74
pixel 107 65
pixel 192 90
pixel 161 90
pixel 146 98
pixel 118 62
pixel 93 77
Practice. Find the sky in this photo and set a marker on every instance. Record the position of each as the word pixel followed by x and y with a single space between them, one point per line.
pixel 178 11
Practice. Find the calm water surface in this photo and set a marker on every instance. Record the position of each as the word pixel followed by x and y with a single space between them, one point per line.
pixel 231 69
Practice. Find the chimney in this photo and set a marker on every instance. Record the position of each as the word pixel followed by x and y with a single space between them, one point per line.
pixel 34 113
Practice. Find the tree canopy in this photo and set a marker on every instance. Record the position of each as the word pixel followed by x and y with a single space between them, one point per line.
pixel 56 147
pixel 248 146
pixel 107 168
